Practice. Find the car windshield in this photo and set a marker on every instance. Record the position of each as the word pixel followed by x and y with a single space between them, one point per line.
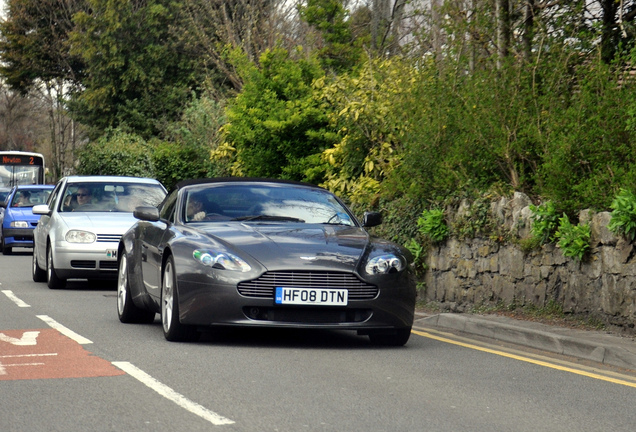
pixel 110 197
pixel 268 202
pixel 30 197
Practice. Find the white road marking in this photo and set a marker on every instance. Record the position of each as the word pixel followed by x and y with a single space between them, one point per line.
pixel 14 299
pixel 28 338
pixel 3 371
pixel 28 355
pixel 172 395
pixel 24 364
pixel 64 330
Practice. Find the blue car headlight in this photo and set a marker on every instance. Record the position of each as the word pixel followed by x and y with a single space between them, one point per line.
pixel 19 224
pixel 387 263
pixel 78 236
pixel 220 260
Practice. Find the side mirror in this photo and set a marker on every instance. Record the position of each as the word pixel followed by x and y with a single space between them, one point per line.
pixel 3 204
pixel 146 213
pixel 41 209
pixel 371 219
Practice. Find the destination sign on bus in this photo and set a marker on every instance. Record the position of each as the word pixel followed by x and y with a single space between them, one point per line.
pixel 21 160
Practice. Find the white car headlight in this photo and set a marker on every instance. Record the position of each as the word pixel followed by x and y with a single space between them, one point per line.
pixel 19 224
pixel 387 263
pixel 77 236
pixel 220 260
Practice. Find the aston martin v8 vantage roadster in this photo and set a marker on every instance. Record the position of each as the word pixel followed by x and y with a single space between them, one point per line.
pixel 262 253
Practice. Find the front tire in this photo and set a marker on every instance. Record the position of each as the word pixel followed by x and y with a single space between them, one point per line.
pixel 399 338
pixel 52 280
pixel 6 250
pixel 126 309
pixel 173 330
pixel 38 274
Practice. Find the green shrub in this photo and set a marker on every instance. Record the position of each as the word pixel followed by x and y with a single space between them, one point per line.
pixel 574 240
pixel 433 225
pixel 545 222
pixel 419 253
pixel 623 220
pixel 117 153
pixel 176 161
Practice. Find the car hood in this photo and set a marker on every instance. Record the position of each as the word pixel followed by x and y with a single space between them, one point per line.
pixel 99 222
pixel 21 213
pixel 302 246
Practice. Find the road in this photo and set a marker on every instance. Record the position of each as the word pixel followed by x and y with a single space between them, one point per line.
pixel 68 364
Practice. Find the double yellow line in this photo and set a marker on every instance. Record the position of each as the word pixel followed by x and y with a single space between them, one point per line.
pixel 608 376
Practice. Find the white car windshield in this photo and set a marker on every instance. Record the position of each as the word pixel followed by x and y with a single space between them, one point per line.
pixel 110 197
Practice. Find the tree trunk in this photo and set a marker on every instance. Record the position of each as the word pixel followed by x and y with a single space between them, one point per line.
pixel 528 33
pixel 502 10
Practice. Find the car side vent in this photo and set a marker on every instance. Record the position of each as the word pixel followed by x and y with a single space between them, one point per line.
pixel 265 285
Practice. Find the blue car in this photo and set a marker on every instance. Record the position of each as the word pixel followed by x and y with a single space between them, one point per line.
pixel 18 220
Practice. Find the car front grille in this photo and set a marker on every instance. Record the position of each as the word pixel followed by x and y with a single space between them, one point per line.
pixel 108 237
pixel 266 284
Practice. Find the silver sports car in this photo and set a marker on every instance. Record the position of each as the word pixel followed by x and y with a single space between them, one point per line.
pixel 82 222
pixel 262 253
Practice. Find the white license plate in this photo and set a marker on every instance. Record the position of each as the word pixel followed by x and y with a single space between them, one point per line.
pixel 311 296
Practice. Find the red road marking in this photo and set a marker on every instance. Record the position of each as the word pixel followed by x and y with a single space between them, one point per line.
pixel 53 356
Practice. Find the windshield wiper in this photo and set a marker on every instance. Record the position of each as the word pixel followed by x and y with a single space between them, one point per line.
pixel 268 218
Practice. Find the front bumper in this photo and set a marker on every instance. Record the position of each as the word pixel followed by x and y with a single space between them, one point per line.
pixel 18 237
pixel 86 261
pixel 222 305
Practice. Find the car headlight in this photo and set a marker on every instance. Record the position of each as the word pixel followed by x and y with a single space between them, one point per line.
pixel 19 224
pixel 220 260
pixel 77 236
pixel 383 264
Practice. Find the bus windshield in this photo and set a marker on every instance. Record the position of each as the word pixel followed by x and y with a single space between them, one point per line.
pixel 21 168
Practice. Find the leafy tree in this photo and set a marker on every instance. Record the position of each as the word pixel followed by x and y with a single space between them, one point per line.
pixel 275 125
pixel 339 51
pixel 215 28
pixel 37 63
pixel 365 110
pixel 34 45
pixel 139 72
pixel 191 139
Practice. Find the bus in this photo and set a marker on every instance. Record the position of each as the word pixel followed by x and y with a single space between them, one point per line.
pixel 21 168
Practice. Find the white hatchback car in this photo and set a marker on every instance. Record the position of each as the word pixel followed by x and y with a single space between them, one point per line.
pixel 82 222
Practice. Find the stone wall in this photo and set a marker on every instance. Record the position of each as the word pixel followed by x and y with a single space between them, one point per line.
pixel 479 271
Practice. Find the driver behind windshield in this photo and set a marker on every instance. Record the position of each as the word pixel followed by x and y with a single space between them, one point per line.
pixel 84 196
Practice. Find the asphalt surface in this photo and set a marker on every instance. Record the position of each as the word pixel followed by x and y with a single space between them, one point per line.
pixel 597 346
